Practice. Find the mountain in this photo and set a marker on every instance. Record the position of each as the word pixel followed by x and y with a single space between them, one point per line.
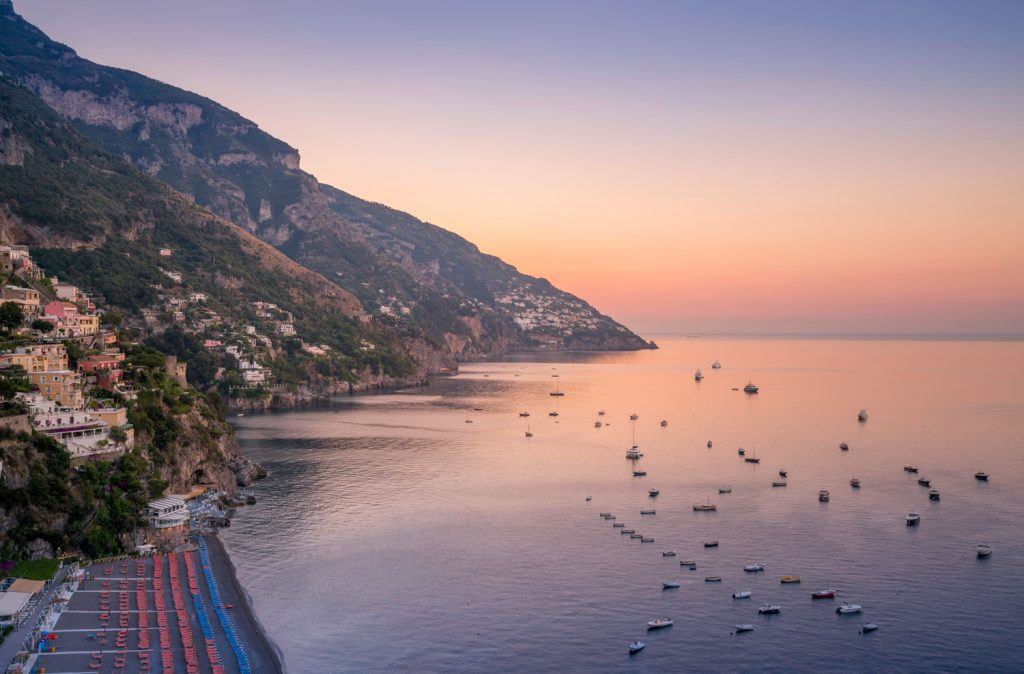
pixel 423 282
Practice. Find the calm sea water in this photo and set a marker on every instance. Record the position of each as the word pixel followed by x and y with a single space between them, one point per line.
pixel 392 535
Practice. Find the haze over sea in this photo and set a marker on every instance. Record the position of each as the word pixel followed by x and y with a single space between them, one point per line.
pixel 392 535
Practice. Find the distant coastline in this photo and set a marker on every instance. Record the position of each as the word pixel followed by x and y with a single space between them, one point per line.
pixel 852 336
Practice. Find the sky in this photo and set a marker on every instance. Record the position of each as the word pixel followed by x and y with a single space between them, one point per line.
pixel 684 166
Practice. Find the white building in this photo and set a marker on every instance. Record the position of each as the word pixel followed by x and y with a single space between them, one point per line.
pixel 167 512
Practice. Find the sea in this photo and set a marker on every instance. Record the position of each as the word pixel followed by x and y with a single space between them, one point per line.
pixel 422 530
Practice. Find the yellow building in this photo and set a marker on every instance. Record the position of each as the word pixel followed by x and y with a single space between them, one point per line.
pixel 60 386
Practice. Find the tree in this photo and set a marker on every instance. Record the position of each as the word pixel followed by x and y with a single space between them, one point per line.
pixel 42 326
pixel 11 316
pixel 111 318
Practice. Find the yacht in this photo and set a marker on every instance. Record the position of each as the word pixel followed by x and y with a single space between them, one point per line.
pixel 824 594
pixel 750 388
pixel 933 495
pixel 913 519
pixel 742 594
pixel 862 415
pixel 843 446
pixel 670 585
pixel 752 568
pixel 698 375
pixel 848 609
pixel 981 475
pixel 740 629
pixel 664 423
pixel 710 544
pixel 725 490
pixel 855 483
pixel 789 580
pixel 778 483
pixel 636 647
pixel 769 609
pixel 633 453
pixel 910 469
pixel 653 492
pixel 984 550
pixel 823 495
pixel 716 365
pixel 669 553
pixel 647 511
pixel 639 473
pixel 659 623
pixel 704 507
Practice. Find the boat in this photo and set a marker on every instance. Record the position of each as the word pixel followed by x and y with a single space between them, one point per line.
pixel 862 415
pixel 633 453
pixel 913 519
pixel 659 623
pixel 552 414
pixel 750 388
pixel 740 629
pixel 669 553
pixel 647 511
pixel 924 482
pixel 634 416
pixel 688 563
pixel 557 394
pixel 627 531
pixel 752 459
pixel 824 594
pixel 639 473
pixel 712 579
pixel 589 498
pixel 751 568
pixel 868 627
pixel 709 444
pixel 843 446
pixel 769 609
pixel 710 544
pixel 528 434
pixel 855 483
pixel 725 490
pixel 600 413
pixel 698 375
pixel 604 514
pixel 597 424
pixel 933 495
pixel 778 483
pixel 469 421
pixel 670 585
pixel 984 550
pixel 704 507
pixel 848 609
pixel 741 451
pixel 610 517
pixel 664 423
pixel 636 647
pixel 716 365
pixel 647 539
pixel 783 473
pixel 524 414
pixel 742 594
pixel 618 525
pixel 789 580
pixel 636 536
pixel 823 495
pixel 981 475
pixel 653 492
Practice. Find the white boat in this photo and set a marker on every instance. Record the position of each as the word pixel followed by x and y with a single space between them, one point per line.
pixel 913 519
pixel 716 365
pixel 868 627
pixel 742 594
pixel 862 415
pixel 669 553
pixel 754 567
pixel 636 647
pixel 633 453
pixel 670 585
pixel 725 490
pixel 750 388
pixel 823 495
pixel 769 609
pixel 740 629
pixel 647 511
pixel 647 539
pixel 653 492
pixel 698 375
pixel 848 609
pixel 984 550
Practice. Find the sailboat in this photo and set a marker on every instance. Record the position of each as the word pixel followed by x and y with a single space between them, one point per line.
pixel 634 451
pixel 698 375
pixel 528 433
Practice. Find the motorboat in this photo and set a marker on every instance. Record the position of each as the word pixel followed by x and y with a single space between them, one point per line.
pixel 670 585
pixel 712 579
pixel 823 495
pixel 600 413
pixel 750 388
pixel 524 414
pixel 552 414
pixel 709 444
pixel 742 594
pixel 636 536
pixel 636 647
pixel 634 416
pixel 789 580
pixel 981 475
pixel 933 495
pixel 698 375
pixel 633 453
pixel 778 483
pixel 716 365
pixel 752 459
pixel 783 473
pixel 556 394
pixel 913 519
pixel 751 568
pixel 924 482
pixel 647 539
pixel 862 415
pixel 669 553
pixel 659 623
pixel 984 550
pixel 605 515
pixel 689 563
pixel 618 525
pixel 740 629
pixel 648 511
pixel 824 594
pixel 610 517
pixel 843 446
pixel 653 492
pixel 868 627
pixel 741 451
pixel 725 490
pixel 910 469
pixel 769 609
pixel 639 473
pixel 704 507
pixel 590 498
pixel 710 544
pixel 628 531
pixel 848 609
pixel 664 423
pixel 597 424
pixel 855 483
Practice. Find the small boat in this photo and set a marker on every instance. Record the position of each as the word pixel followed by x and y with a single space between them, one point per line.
pixel 604 514
pixel 752 459
pixel 648 511
pixel 704 507
pixel 478 409
pixel 557 394
pixel 636 536
pixel 824 594
pixel 689 563
pixel 709 444
pixel 778 483
pixel 600 413
pixel 823 495
pixel 524 414
pixel 698 375
pixel 855 483
pixel 628 531
pixel 924 482
pixel 848 609
pixel 868 627
pixel 669 553
pixel 716 365
pixel 769 609
pixel 981 475
pixel 751 568
pixel 597 424
pixel 552 414
pixel 639 473
pixel 634 416
pixel 670 585
pixel 741 451
pixel 725 490
pixel 664 423
pixel 659 623
pixel 933 495
pixel 710 544
pixel 636 647
pixel 742 594
pixel 712 579
pixel 984 550
pixel 862 415
pixel 647 539
pixel 843 446
pixel 653 492
pixel 740 629
pixel 910 469
pixel 589 498
pixel 528 434
pixel 783 473
pixel 750 388
pixel 789 580
pixel 469 421
pixel 618 525
pixel 610 517
pixel 913 519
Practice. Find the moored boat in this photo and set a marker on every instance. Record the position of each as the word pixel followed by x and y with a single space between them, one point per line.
pixel 778 483
pixel 634 416
pixel 725 490
pixel 647 511
pixel 741 451
pixel 597 424
pixel 639 473
pixel 633 453
pixel 716 365
pixel 689 563
pixel 910 469
pixel 740 629
pixel 709 444
pixel 868 627
pixel 698 375
pixel 913 519
pixel 752 459
pixel 981 475
pixel 843 446
pixel 848 609
pixel 618 525
pixel 742 594
pixel 659 623
pixel 769 609
pixel 653 492
pixel 984 550
pixel 647 539
pixel 552 414
pixel 664 423
pixel 862 415
pixel 669 553
pixel 750 388
pixel 524 414
pixel 704 507
pixel 627 531
pixel 751 568
pixel 712 579
pixel 924 482
pixel 933 494
pixel 710 544
pixel 824 594
pixel 783 473
pixel 636 647
pixel 789 580
pixel 823 495
pixel 670 585
pixel 855 483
